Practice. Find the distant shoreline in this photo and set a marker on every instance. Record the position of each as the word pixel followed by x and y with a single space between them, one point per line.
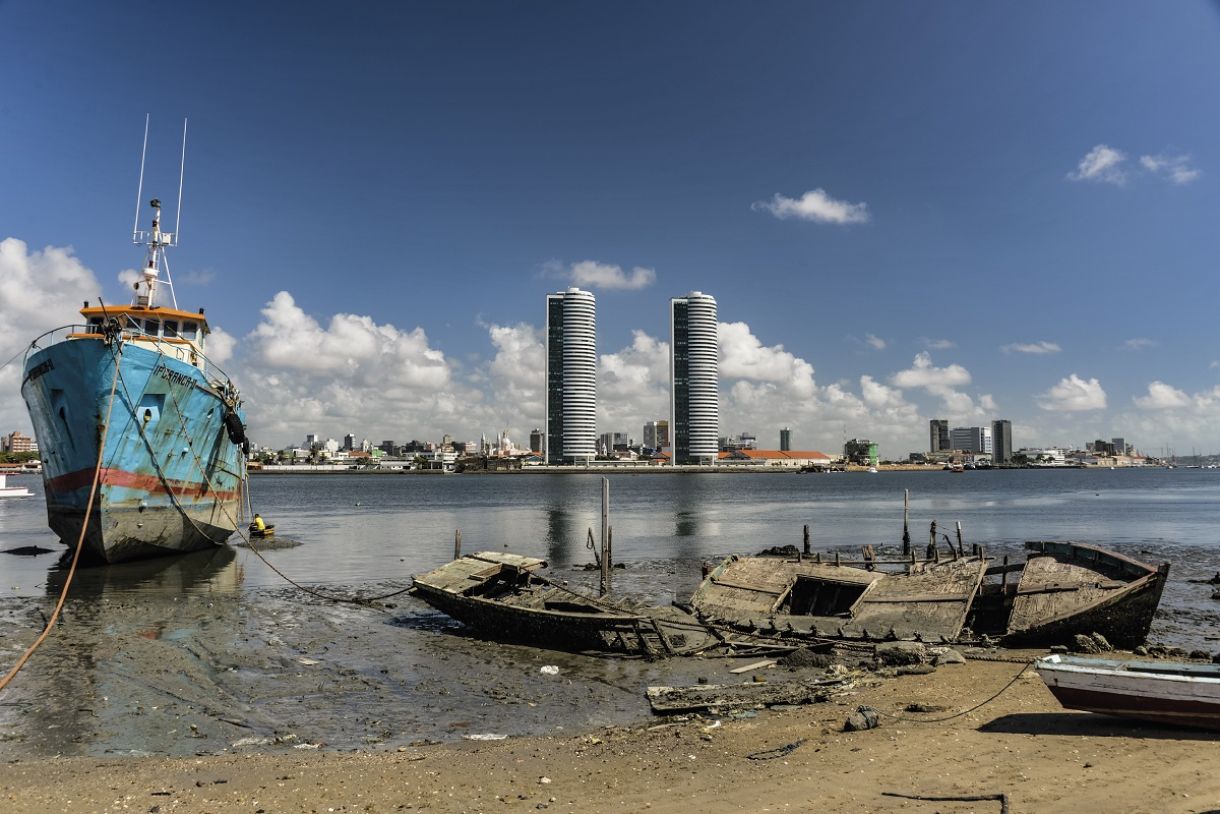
pixel 642 470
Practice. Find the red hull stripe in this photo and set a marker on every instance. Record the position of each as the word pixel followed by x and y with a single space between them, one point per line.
pixel 136 480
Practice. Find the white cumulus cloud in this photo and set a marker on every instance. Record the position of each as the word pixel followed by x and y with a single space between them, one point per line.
pixel 39 290
pixel 943 382
pixel 744 356
pixel 874 342
pixel 1162 396
pixel 817 206
pixel 633 385
pixel 1103 164
pixel 1073 394
pixel 1174 168
pixel 591 274
pixel 352 372
pixel 1031 347
pixel 1139 343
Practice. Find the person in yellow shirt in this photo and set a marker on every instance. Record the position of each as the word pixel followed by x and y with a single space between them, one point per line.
pixel 258 525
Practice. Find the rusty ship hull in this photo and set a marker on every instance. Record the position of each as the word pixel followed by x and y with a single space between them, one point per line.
pixel 171 477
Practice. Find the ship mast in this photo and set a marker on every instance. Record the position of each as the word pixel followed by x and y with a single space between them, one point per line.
pixel 154 239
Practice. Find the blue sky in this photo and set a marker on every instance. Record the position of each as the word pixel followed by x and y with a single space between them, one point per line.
pixel 994 179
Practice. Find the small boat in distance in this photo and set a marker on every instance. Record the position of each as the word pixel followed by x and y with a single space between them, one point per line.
pixel 1164 692
pixel 12 491
pixel 173 454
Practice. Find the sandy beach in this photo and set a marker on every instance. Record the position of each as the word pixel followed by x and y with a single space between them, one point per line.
pixel 1023 744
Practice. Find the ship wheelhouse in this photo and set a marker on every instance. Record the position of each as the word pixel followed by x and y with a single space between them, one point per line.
pixel 175 333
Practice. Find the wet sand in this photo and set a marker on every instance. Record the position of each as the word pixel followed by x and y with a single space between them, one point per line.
pixel 1023 744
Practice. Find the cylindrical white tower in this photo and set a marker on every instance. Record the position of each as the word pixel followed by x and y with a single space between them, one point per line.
pixel 571 362
pixel 695 373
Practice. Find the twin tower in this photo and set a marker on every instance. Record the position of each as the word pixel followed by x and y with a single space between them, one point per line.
pixel 570 436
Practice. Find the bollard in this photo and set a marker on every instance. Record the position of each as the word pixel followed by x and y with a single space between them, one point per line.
pixel 806 546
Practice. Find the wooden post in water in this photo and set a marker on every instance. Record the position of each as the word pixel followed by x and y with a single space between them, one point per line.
pixel 457 544
pixel 906 520
pixel 932 542
pixel 605 581
pixel 1004 578
pixel 805 549
pixel 961 550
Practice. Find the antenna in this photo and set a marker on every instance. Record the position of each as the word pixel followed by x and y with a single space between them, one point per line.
pixel 181 176
pixel 135 225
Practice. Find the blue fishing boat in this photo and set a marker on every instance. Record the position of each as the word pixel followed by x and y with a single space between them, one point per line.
pixel 130 392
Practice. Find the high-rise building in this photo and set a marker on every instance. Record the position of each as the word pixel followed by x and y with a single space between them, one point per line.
pixel 663 437
pixel 694 370
pixel 939 432
pixel 571 377
pixel 970 439
pixel 536 440
pixel 653 432
pixel 785 440
pixel 1120 445
pixel 1001 441
pixel 349 442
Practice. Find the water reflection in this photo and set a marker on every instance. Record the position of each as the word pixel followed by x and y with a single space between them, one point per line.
pixel 199 571
pixel 122 624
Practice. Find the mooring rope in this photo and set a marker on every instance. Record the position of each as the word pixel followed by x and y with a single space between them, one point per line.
pixel 80 542
pixel 1025 666
pixel 330 597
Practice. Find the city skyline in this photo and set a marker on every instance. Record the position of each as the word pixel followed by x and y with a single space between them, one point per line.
pixel 834 174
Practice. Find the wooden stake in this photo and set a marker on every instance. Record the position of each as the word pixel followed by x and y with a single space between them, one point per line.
pixel 906 520
pixel 605 581
pixel 457 544
pixel 960 548
pixel 806 548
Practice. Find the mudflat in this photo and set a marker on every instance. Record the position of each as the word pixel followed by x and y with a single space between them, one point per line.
pixel 1023 744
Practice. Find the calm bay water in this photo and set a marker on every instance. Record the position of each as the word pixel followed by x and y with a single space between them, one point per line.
pixel 362 528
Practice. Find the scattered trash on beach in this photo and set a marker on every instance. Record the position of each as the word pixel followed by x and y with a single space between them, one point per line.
pixel 550 670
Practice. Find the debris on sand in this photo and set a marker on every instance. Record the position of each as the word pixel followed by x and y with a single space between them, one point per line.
pixel 737 696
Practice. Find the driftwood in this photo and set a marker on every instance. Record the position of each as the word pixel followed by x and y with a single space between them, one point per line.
pixel 1002 799
pixel 752 694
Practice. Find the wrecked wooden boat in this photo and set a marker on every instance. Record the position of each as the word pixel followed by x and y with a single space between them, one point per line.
pixel 502 596
pixel 1062 589
pixel 1176 693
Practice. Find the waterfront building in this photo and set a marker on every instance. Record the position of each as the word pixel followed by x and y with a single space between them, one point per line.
pixel 535 440
pixel 311 441
pixel 862 452
pixel 16 442
pixel 1120 445
pixel 570 406
pixel 610 442
pixel 663 433
pixel 939 435
pixel 349 442
pixel 785 440
pixel 694 370
pixel 971 439
pixel 774 458
pixel 1001 441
